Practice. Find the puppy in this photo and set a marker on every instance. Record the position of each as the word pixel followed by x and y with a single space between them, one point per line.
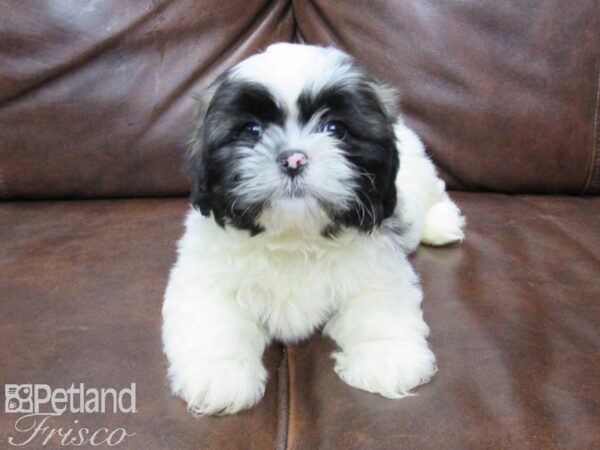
pixel 309 192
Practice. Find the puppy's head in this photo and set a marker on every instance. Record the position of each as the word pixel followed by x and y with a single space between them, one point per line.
pixel 296 137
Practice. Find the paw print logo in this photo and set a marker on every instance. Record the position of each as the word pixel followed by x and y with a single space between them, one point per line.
pixel 18 398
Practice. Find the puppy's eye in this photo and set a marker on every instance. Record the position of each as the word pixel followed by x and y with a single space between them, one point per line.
pixel 253 128
pixel 335 128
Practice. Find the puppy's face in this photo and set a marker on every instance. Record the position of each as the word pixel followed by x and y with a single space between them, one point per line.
pixel 297 136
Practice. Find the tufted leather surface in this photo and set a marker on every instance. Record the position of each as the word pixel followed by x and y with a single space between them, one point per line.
pixel 96 98
pixel 505 94
pixel 82 286
pixel 514 314
pixel 515 323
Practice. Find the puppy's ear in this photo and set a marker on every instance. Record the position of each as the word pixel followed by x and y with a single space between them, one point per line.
pixel 388 98
pixel 197 158
pixel 389 197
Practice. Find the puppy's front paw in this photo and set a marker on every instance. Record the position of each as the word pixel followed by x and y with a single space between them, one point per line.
pixel 222 386
pixel 387 367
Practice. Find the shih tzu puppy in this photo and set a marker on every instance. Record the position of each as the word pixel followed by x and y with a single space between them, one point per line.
pixel 309 192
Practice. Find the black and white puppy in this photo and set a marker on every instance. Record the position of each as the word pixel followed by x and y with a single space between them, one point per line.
pixel 309 193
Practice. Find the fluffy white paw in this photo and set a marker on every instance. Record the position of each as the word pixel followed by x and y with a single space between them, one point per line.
pixel 443 224
pixel 389 367
pixel 223 386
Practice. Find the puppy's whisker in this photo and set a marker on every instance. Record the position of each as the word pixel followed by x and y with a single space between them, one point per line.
pixel 232 207
pixel 370 177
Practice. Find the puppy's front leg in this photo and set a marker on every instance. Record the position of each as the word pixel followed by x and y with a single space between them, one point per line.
pixel 213 346
pixel 382 336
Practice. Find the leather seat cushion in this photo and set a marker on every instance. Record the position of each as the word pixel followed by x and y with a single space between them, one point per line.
pixel 514 315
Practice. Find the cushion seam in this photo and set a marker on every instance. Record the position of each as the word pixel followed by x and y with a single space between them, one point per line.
pixel 593 182
pixel 3 189
pixel 283 401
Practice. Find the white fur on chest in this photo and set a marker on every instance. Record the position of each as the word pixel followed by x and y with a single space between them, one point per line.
pixel 290 293
pixel 290 289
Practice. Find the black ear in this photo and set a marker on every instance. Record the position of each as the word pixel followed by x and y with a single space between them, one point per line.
pixel 389 197
pixel 387 96
pixel 196 161
pixel 197 155
pixel 388 99
pixel 200 197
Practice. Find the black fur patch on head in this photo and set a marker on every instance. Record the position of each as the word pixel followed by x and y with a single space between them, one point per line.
pixel 234 104
pixel 369 143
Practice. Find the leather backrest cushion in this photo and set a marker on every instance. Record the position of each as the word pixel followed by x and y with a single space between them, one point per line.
pixel 504 93
pixel 97 97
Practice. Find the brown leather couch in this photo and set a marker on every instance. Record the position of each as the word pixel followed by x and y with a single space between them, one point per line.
pixel 96 105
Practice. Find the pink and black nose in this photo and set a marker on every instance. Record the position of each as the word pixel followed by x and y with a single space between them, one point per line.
pixel 292 161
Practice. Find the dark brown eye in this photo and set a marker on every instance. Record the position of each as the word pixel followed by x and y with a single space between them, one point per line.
pixel 254 129
pixel 335 128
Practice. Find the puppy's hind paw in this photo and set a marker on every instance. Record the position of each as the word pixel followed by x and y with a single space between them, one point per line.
pixel 443 224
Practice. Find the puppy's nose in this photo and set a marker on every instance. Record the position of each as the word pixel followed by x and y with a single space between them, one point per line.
pixel 292 161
